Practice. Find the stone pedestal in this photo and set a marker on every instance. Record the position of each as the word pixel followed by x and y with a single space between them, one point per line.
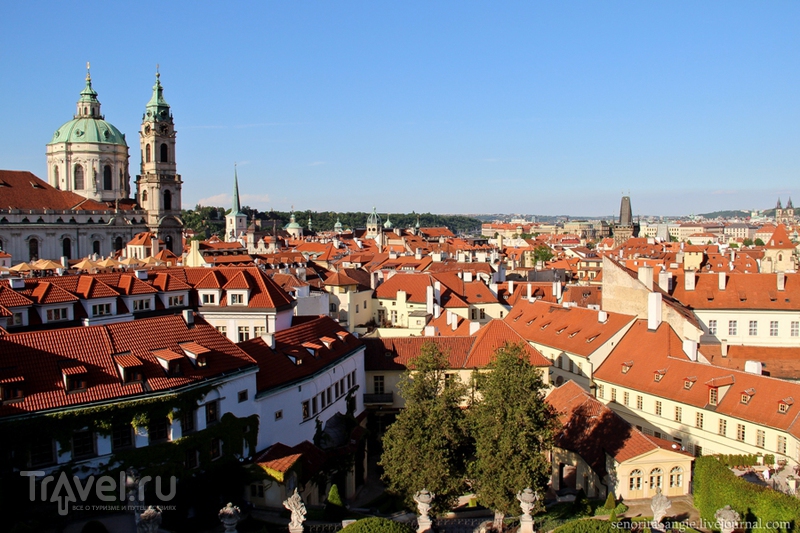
pixel 527 501
pixel 230 516
pixel 424 498
pixel 298 509
pixel 727 519
pixel 149 520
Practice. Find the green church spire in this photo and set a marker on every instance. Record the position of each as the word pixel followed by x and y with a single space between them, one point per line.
pixel 88 94
pixel 157 107
pixel 236 206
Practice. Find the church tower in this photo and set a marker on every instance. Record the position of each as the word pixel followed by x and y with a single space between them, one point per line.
pixel 235 221
pixel 158 184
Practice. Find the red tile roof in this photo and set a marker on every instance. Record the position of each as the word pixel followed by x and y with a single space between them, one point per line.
pixel 742 291
pixel 23 190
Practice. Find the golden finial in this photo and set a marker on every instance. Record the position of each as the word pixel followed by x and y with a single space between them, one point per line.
pixel 158 74
pixel 88 74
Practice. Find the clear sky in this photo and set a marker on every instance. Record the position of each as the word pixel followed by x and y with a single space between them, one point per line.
pixel 448 107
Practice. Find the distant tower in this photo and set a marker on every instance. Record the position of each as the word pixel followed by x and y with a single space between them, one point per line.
pixel 625 212
pixel 373 225
pixel 88 155
pixel 789 212
pixel 337 228
pixel 235 221
pixel 158 183
pixel 388 224
pixel 310 227
pixel 625 228
pixel 293 228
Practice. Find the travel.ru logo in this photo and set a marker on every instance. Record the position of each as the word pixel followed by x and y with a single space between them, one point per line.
pixel 67 491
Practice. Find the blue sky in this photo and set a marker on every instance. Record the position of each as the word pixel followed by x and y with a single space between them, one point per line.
pixel 449 107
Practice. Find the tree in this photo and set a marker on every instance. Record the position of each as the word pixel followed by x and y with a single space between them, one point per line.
pixel 512 426
pixel 542 253
pixel 747 241
pixel 758 242
pixel 428 444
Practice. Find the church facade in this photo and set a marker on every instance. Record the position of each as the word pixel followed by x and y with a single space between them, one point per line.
pixel 85 206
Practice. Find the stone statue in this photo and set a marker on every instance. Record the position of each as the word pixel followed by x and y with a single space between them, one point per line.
pixel 298 509
pixel 424 498
pixel 149 520
pixel 230 516
pixel 527 501
pixel 727 519
pixel 660 504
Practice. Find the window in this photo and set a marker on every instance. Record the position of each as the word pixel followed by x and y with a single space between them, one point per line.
pixel 107 178
pixel 712 396
pixel 656 479
pixel 187 422
pixel 96 247
pixel 259 331
pixel 242 396
pixel 33 249
pixel 147 151
pixel 745 398
pixel 12 392
pixel 356 308
pixel 158 430
pixel 781 444
pixel 723 426
pixel 77 174
pixel 66 248
pixel 167 201
pixel 698 420
pixel 141 305
pixel 626 398
pixel 191 458
pixel 393 318
pixel 54 315
pixel 164 153
pixel 83 444
pixel 712 327
pixel 101 309
pixel 144 196
pixel 16 319
pixel 244 333
pixel 212 413
pixel 209 299
pixel 216 448
pixel 635 480
pixel 773 328
pixel 306 412
pixel 483 314
pixel 42 453
pixel 613 394
pixel 639 402
pixel 121 436
pixel 133 374
pixel 658 407
pixel 175 301
pixel 601 391
pixel 676 477
pixel 687 384
pixel 740 432
pixel 753 328
pixel 571 366
pixel 76 383
pixel 678 414
pixel 698 450
pixel 314 405
pixel 237 299
pixel 279 414
pixel 223 330
pixel 256 489
pixel 795 329
pixel 329 393
pixel 732 327
pixel 760 438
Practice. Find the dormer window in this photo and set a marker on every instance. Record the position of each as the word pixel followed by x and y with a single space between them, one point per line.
pixel 688 383
pixel 175 301
pixel 11 386
pixel 747 394
pixel 197 353
pixel 560 331
pixel 209 299
pixel 237 299
pixel 658 375
pixel 593 337
pixel 713 396
pixel 130 368
pixel 544 326
pixel 626 366
pixel 783 405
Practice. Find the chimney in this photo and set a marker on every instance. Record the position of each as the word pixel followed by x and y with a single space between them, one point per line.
pixel 454 324
pixel 530 291
pixel 437 292
pixel 269 339
pixel 436 310
pixel 510 287
pixel 474 327
pixel 557 290
pixel 418 254
pixel 688 280
pixel 448 316
pixel 429 299
pixel 663 280
pixel 188 317
pixel 430 331
pixel 722 278
pixel 781 281
pixel 646 276
pixel 467 277
pixel 733 255
pixel 753 367
pixel 653 311
pixel 690 349
pixel 602 317
pixel 723 347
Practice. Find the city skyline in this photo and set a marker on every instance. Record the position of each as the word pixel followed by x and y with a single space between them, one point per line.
pixel 449 108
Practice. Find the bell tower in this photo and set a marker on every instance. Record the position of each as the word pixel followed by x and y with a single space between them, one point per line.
pixel 158 185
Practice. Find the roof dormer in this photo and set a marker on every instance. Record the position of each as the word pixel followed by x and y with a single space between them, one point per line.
pixel 689 382
pixel 12 386
pixel 197 353
pixel 170 361
pixel 658 375
pixel 747 394
pixel 785 404
pixel 626 366
pixel 130 367
pixel 75 377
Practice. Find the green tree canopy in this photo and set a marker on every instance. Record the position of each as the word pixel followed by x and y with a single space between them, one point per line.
pixel 542 253
pixel 427 446
pixel 747 241
pixel 512 426
pixel 758 242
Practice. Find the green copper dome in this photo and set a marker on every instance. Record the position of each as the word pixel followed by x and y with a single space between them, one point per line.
pixel 293 223
pixel 88 130
pixel 88 126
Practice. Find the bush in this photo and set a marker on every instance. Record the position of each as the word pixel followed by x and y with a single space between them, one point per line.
pixel 613 516
pixel 581 505
pixel 377 525
pixel 611 502
pixel 586 526
pixel 334 507
pixel 715 486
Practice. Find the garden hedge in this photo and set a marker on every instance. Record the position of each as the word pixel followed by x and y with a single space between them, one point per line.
pixel 377 525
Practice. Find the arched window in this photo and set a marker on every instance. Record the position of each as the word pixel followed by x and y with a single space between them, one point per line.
pixel 66 248
pixel 635 480
pixel 33 249
pixel 144 197
pixel 780 257
pixel 96 247
pixel 78 174
pixel 656 479
pixel 121 180
pixel 107 185
pixel 147 153
pixel 164 153
pixel 168 242
pixel 57 182
pixel 118 244
pixel 676 477
pixel 167 200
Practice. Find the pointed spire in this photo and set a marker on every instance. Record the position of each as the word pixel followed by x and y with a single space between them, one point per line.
pixel 88 94
pixel 157 108
pixel 789 204
pixel 779 204
pixel 309 222
pixel 236 206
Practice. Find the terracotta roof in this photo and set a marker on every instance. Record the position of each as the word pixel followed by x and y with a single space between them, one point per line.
pixel 11 298
pixel 279 458
pixel 22 190
pixel 414 285
pixel 777 361
pixel 89 287
pixel 164 281
pixel 572 329
pixel 338 279
pixel 662 350
pixel 742 291
pixel 42 356
pixel 779 240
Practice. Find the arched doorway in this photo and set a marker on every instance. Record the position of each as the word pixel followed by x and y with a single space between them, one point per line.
pixel 66 248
